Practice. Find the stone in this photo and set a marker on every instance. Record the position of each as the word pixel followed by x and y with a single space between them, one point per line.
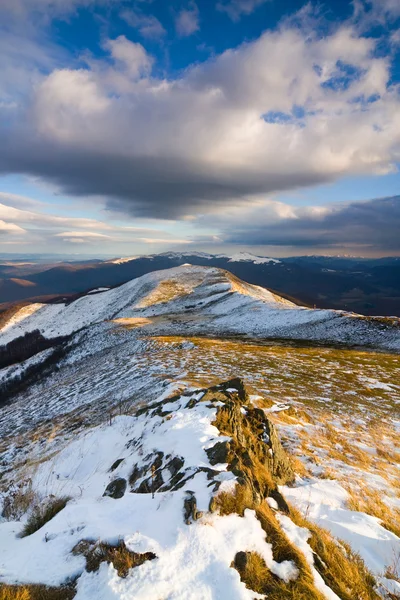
pixel 190 511
pixel 116 464
pixel 116 488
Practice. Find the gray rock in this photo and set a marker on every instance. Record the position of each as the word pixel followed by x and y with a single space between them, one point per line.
pixel 116 488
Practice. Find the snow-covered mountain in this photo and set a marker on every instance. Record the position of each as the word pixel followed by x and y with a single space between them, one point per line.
pixel 122 477
pixel 236 257
pixel 208 301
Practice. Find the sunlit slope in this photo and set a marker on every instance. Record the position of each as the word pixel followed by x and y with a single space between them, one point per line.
pixel 203 300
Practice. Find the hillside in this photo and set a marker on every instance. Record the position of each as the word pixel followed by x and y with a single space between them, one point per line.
pixel 182 498
pixel 213 301
pixel 117 396
pixel 366 286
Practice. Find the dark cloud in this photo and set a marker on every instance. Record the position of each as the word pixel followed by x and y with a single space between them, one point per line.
pixel 161 187
pixel 375 223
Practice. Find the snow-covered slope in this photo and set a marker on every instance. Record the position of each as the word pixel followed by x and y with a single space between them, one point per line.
pixel 209 301
pixel 186 489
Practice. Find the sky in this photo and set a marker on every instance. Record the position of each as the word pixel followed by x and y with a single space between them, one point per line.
pixel 138 126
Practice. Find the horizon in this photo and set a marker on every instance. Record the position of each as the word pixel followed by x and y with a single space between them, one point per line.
pixel 100 257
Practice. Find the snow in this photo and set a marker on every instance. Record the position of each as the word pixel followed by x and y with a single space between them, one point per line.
pixel 212 302
pixel 21 314
pixel 99 289
pixel 193 561
pixel 324 501
pixel 246 256
pixel 299 536
pixel 17 370
pixel 193 565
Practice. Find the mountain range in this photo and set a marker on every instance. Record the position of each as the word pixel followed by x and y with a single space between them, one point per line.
pixel 365 286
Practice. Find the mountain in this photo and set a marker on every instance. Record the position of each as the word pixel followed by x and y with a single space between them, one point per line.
pixel 190 435
pixel 204 300
pixel 366 286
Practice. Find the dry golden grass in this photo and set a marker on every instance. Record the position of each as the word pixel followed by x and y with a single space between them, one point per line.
pixel 342 570
pixel 119 556
pixel 132 322
pixel 36 592
pixel 370 501
pixel 298 465
pixel 18 501
pixel 256 576
pixel 389 455
pixel 227 503
pixel 164 292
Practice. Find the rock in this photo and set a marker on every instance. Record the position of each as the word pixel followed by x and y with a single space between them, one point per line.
pixel 254 452
pixel 116 488
pixel 175 465
pixel 116 464
pixel 240 561
pixel 218 453
pixel 190 511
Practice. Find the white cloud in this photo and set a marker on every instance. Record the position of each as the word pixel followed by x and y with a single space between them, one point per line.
pixel 187 20
pixel 374 224
pixel 90 235
pixel 368 14
pixel 17 201
pixel 236 8
pixel 389 7
pixel 38 219
pixel 285 111
pixel 47 8
pixel 132 56
pixel 148 25
pixel 10 228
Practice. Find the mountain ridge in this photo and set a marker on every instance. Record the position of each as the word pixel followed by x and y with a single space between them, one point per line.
pixel 363 286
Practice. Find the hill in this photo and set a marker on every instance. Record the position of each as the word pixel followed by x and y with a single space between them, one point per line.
pixel 366 286
pixel 281 484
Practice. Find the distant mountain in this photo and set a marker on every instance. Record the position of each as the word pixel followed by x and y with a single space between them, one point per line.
pixel 366 286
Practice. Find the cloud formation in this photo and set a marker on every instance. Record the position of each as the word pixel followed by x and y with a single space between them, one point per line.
pixel 374 224
pixel 236 8
pixel 187 20
pixel 282 112
pixel 147 25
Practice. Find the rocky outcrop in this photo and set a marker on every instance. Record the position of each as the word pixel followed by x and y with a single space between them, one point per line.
pixel 249 446
pixel 253 452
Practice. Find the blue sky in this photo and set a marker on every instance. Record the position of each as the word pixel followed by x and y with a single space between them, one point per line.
pixel 132 127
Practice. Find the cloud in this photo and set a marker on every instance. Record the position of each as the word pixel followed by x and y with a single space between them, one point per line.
pixel 370 224
pixel 44 228
pixel 131 56
pixel 147 25
pixel 368 14
pixel 38 219
pixel 282 112
pixel 83 236
pixel 17 201
pixel 187 20
pixel 169 241
pixel 236 8
pixel 46 8
pixel 7 228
